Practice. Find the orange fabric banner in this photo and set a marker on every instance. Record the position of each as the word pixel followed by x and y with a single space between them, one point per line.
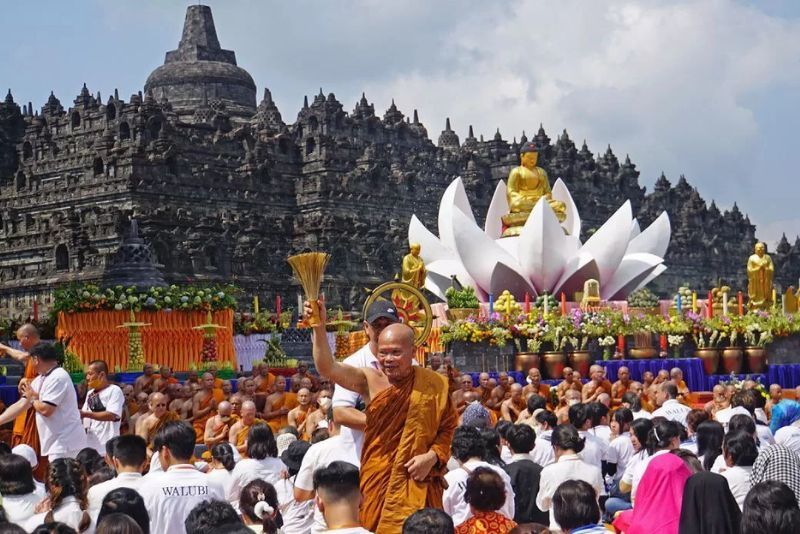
pixel 169 340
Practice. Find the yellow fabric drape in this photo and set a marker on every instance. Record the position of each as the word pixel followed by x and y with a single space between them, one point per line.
pixel 169 340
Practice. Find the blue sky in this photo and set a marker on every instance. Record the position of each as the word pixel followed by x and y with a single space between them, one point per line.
pixel 705 88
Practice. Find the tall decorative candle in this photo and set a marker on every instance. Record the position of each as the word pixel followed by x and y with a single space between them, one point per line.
pixel 278 307
pixel 710 310
pixel 662 342
pixel 741 303
pixel 527 303
pixel 491 304
pixel 621 345
pixel 679 304
pixel 563 303
pixel 725 304
pixel 546 303
pixel 694 301
pixel 255 304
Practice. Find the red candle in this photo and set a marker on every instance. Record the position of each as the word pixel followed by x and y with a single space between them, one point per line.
pixel 563 303
pixel 278 306
pixel 35 311
pixel 662 342
pixel 527 303
pixel 710 310
pixel 621 344
pixel 741 304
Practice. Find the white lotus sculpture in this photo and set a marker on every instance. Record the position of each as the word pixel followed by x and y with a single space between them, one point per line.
pixel 546 256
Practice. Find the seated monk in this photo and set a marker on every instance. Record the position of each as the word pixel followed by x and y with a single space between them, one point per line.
pixel 148 426
pixel 535 385
pixel 146 382
pixel 236 404
pixel 264 379
pixel 676 376
pixel 302 372
pixel 247 389
pixel 452 374
pixel 142 410
pixel 297 416
pixel 621 386
pixel 128 409
pixel 514 405
pixel 192 378
pixel 237 436
pixel 719 400
pixel 571 397
pixel 218 426
pixel 227 389
pixel 570 381
pixel 500 393
pixel 637 388
pixel 164 379
pixel 307 383
pixel 204 406
pixel 278 405
pixel 410 424
pixel 596 385
pixel 458 396
pixel 483 389
pixel 655 384
pixel 324 397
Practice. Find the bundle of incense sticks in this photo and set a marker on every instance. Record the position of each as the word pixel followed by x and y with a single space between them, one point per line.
pixel 309 268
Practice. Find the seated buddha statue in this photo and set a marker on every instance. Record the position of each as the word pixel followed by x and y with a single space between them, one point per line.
pixel 526 185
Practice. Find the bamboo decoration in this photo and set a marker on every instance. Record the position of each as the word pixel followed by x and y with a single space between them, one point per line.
pixel 309 268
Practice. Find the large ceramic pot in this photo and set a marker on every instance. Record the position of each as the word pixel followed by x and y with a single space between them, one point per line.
pixel 710 357
pixel 756 359
pixel 580 360
pixel 524 361
pixel 643 353
pixel 732 360
pixel 554 363
pixel 459 314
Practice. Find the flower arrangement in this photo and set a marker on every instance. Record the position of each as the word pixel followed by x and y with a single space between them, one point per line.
pixel 477 330
pixel 89 297
pixel 461 298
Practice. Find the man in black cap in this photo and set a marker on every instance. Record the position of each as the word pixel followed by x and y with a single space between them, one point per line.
pixel 346 403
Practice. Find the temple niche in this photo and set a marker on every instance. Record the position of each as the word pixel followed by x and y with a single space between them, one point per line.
pixel 224 186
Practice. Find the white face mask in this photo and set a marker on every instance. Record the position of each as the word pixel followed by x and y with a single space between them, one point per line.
pixel 573 402
pixel 325 403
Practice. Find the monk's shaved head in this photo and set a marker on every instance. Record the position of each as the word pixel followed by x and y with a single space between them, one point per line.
pixel 396 351
pixel 224 408
pixel 28 330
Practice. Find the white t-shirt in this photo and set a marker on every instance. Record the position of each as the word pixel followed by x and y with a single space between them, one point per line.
pixel 169 496
pixel 344 398
pixel 642 414
pixel 322 454
pixel 99 432
pixel 602 432
pixel 20 507
pixel 568 467
pixel 249 469
pixel 453 497
pixel 724 416
pixel 542 452
pixel 673 410
pixel 765 435
pixel 594 449
pixel 633 465
pixel 297 516
pixel 738 478
pixel 61 432
pixel 68 512
pixel 98 492
pixel 619 452
pixel 224 479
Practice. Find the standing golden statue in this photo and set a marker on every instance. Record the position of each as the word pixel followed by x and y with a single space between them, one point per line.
pixel 526 185
pixel 414 272
pixel 760 271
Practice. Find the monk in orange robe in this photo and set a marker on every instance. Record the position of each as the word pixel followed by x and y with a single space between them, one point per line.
pixel 147 427
pixel 297 415
pixel 204 406
pixel 24 430
pixel 278 405
pixel 410 424
pixel 237 436
pixel 535 386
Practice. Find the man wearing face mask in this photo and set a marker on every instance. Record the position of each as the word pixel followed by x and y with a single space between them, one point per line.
pixel 102 410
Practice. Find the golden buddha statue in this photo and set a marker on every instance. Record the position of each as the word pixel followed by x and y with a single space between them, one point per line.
pixel 790 298
pixel 591 295
pixel 760 271
pixel 526 185
pixel 414 272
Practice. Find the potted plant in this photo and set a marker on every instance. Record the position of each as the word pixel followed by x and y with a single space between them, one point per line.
pixel 643 301
pixel 461 303
pixel 579 328
pixel 528 342
pixel 640 326
pixel 554 340
pixel 705 338
pixel 757 335
pixel 607 343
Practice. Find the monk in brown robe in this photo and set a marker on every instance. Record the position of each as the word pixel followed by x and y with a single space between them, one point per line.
pixel 297 415
pixel 147 427
pixel 458 396
pixel 621 386
pixel 204 406
pixel 535 386
pixel 410 424
pixel 264 384
pixel 483 389
pixel 596 385
pixel 513 405
pixel 276 410
pixel 25 424
pixel 571 382
pixel 500 393
pixel 313 420
pixel 302 372
pixel 237 436
pixel 147 381
pixel 164 379
pixel 218 426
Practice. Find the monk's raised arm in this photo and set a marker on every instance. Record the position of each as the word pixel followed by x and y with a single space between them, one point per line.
pixel 348 377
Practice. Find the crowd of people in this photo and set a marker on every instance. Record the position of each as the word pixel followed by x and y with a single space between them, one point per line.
pixel 378 443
